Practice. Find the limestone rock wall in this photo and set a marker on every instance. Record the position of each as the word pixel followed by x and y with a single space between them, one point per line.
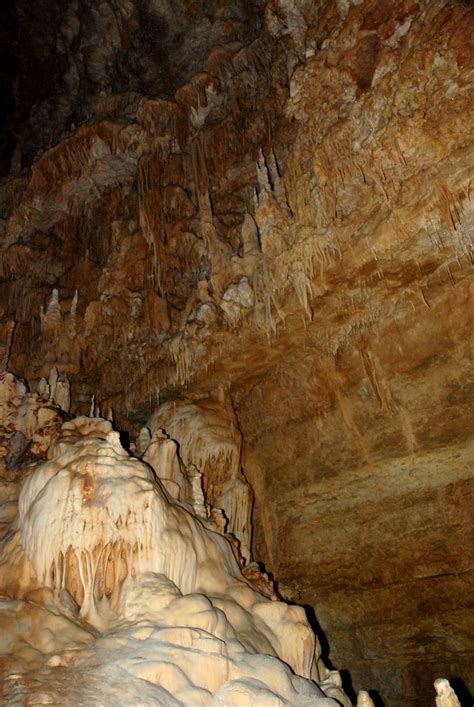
pixel 289 230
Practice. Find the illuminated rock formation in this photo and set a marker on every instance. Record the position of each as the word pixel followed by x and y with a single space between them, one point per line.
pixel 210 442
pixel 245 228
pixel 27 424
pixel 446 697
pixel 110 551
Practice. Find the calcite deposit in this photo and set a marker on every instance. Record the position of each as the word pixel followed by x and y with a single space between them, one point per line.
pixel 109 584
pixel 210 446
pixel 242 232
pixel 103 574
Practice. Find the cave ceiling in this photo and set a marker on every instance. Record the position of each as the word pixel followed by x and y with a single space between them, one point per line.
pixel 264 209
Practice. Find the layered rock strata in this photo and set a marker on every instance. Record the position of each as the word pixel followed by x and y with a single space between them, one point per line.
pixel 290 232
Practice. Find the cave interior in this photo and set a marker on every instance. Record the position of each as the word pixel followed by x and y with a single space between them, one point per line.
pixel 236 336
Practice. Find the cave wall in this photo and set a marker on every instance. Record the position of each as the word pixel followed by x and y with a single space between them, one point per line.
pixel 364 511
pixel 290 229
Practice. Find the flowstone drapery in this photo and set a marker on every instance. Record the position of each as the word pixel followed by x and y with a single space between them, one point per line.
pixel 101 545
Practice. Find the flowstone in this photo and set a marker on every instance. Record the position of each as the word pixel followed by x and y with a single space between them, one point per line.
pixel 106 575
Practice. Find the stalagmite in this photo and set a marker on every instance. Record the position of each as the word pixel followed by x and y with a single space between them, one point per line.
pixel 152 579
pixel 52 382
pixel 198 501
pixel 43 389
pixel 445 695
pixel 364 699
pixel 62 394
pixel 143 440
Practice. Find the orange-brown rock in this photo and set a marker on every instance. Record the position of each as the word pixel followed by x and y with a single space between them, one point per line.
pixel 288 228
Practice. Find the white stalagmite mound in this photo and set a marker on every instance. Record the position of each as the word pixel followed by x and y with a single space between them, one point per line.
pixel 117 592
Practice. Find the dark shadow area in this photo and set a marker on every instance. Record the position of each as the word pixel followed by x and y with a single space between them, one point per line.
pixel 124 439
pixel 318 631
pixel 346 681
pixel 462 691
pixel 8 72
pixel 376 699
pixel 344 673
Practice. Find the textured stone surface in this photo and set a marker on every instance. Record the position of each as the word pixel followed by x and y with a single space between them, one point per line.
pixel 291 230
pixel 102 573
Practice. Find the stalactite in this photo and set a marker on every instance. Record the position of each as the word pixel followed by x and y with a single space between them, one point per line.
pixel 149 208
